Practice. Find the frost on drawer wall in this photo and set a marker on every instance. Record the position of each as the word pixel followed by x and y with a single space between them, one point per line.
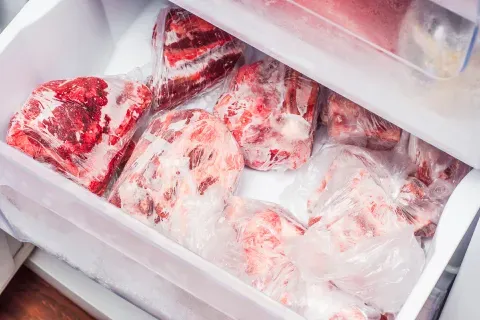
pixel 100 262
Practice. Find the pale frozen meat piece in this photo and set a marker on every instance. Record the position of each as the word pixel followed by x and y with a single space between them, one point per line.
pixel 262 230
pixel 272 112
pixel 433 164
pixel 81 127
pixel 180 175
pixel 349 123
pixel 190 56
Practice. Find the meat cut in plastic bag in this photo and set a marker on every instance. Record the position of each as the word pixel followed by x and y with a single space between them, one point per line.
pixel 434 165
pixel 272 111
pixel 262 230
pixel 190 55
pixel 368 192
pixel 81 127
pixel 349 123
pixel 338 177
pixel 381 270
pixel 182 171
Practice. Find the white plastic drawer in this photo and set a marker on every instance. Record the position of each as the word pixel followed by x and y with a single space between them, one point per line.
pixel 54 39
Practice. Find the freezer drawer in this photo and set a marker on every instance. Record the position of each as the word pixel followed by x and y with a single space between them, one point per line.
pixel 58 39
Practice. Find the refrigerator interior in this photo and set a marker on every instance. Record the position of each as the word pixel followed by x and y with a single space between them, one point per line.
pixel 58 39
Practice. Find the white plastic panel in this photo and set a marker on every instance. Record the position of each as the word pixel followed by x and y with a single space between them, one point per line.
pixel 112 36
pixel 443 113
pixel 7 266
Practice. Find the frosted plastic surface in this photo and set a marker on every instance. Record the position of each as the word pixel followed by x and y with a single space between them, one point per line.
pixel 443 113
pixel 37 202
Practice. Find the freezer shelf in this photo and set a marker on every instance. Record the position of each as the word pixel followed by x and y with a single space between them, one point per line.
pixel 111 37
pixel 443 113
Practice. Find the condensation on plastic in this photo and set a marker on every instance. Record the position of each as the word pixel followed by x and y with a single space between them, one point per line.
pixel 349 123
pixel 190 56
pixel 262 229
pixel 81 127
pixel 272 111
pixel 419 33
pixel 182 171
pixel 380 270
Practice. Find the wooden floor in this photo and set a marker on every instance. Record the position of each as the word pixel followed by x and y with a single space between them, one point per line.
pixel 28 297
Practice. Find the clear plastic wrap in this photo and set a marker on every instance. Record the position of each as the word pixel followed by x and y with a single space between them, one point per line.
pixel 349 123
pixel 340 176
pixel 272 111
pixel 182 171
pixel 81 127
pixel 434 165
pixel 381 271
pixel 190 56
pixel 368 192
pixel 262 230
pixel 324 301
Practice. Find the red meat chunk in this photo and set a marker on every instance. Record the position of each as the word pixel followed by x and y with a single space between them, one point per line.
pixel 81 127
pixel 262 230
pixel 434 164
pixel 349 123
pixel 185 161
pixel 271 110
pixel 191 56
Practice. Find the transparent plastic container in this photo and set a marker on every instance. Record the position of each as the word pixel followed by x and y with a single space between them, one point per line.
pixel 55 39
pixel 435 37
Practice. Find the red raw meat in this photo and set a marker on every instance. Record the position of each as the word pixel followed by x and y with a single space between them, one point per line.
pixel 185 161
pixel 191 56
pixel 262 230
pixel 349 123
pixel 271 110
pixel 82 127
pixel 434 164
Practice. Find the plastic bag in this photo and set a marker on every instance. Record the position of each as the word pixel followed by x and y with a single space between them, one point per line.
pixel 422 205
pixel 434 164
pixel 324 301
pixel 182 171
pixel 272 111
pixel 381 271
pixel 190 55
pixel 341 176
pixel 262 229
pixel 81 127
pixel 349 123
pixel 368 192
